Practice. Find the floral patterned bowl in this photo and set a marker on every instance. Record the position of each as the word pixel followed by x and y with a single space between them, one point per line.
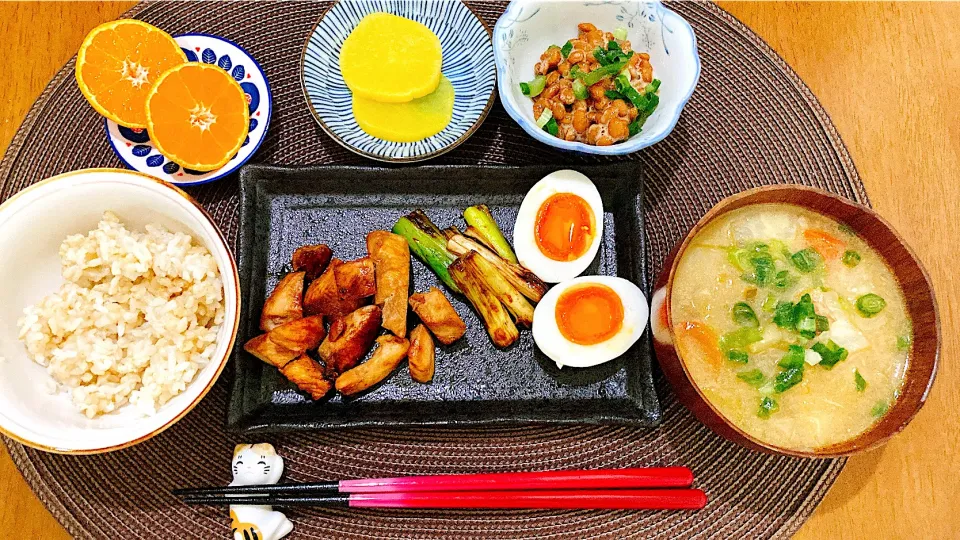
pixel 528 27
pixel 134 148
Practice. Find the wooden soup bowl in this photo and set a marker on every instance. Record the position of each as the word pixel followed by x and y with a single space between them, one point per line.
pixel 913 279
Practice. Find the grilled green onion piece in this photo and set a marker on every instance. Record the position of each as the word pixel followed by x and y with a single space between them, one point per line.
pixel 428 243
pixel 534 87
pixel 870 304
pixel 495 317
pixel 481 219
pixel 851 258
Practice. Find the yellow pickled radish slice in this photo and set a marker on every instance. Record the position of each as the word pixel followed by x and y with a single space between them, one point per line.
pixel 391 59
pixel 406 122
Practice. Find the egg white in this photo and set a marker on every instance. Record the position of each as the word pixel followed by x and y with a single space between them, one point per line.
pixel 564 352
pixel 524 241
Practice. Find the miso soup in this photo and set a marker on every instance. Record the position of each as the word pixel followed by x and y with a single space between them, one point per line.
pixel 791 325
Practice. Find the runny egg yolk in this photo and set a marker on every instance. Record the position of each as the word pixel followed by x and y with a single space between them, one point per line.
pixel 589 314
pixel 565 227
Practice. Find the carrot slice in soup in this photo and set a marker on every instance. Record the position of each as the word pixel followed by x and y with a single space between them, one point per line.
pixel 826 244
pixel 699 337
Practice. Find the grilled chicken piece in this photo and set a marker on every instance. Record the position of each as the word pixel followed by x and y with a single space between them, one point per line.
pixel 421 354
pixel 356 279
pixel 438 314
pixel 350 338
pixel 391 257
pixel 308 375
pixel 385 359
pixel 285 303
pixel 311 259
pixel 287 341
pixel 268 351
pixel 323 295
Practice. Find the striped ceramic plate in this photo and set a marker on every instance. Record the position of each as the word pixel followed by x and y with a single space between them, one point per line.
pixel 467 62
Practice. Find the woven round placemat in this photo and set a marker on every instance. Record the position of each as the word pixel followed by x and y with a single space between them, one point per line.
pixel 752 121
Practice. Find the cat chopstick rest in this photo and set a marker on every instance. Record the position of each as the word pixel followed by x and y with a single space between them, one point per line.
pixel 257 465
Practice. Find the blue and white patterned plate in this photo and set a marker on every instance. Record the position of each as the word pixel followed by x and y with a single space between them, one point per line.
pixel 467 62
pixel 134 148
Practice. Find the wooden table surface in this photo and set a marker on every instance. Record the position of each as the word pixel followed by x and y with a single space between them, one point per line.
pixel 888 75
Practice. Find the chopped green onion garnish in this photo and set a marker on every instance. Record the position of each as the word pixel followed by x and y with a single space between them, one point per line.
pixel 880 409
pixel 534 87
pixel 740 339
pixel 744 315
pixel 580 89
pixel 870 304
pixel 783 279
pixel 620 33
pixel 600 73
pixel 635 127
pixel 613 94
pixel 613 46
pixel 767 405
pixel 552 127
pixel 566 49
pixel 830 353
pixel 753 377
pixel 859 381
pixel 787 379
pixel 851 258
pixel 903 342
pixel 545 117
pixel 807 327
pixel 769 304
pixel 806 260
pixel 653 86
pixel 793 359
pixel 738 356
pixel 600 55
pixel 783 315
pixel 823 324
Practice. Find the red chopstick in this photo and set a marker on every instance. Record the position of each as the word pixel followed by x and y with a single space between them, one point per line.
pixel 594 499
pixel 626 499
pixel 663 477
pixel 637 478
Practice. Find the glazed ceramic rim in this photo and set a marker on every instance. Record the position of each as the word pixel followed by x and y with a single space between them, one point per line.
pixel 223 171
pixel 619 149
pixel 720 209
pixel 385 159
pixel 228 351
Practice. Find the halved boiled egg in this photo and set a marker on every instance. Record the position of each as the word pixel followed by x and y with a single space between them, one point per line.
pixel 559 226
pixel 589 320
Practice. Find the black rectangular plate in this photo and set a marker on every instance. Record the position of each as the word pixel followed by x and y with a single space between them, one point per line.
pixel 475 383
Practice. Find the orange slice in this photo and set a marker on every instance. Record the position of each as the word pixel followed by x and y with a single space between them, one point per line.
pixel 197 116
pixel 117 64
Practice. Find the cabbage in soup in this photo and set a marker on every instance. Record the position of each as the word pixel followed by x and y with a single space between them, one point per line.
pixel 791 325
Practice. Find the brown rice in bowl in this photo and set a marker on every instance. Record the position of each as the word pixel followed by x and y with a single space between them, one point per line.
pixel 135 321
